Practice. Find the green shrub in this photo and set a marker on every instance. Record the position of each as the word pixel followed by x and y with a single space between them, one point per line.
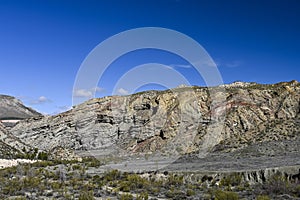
pixel 42 164
pixel 91 162
pixel 19 198
pixel 296 190
pixel 277 184
pixel 174 193
pixel 55 185
pixel 263 197
pixel 225 195
pixel 112 175
pixel 42 156
pixel 190 192
pixel 142 196
pixel 126 197
pixel 175 180
pixel 76 167
pixel 234 179
pixel 86 195
pixel 136 182
pixel 124 186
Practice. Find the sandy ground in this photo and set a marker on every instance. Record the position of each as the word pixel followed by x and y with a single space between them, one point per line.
pixel 13 162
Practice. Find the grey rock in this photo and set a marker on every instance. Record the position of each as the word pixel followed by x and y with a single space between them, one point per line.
pixel 182 120
pixel 10 145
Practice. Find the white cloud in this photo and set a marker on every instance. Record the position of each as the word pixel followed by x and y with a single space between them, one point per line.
pixel 40 100
pixel 99 89
pixel 83 93
pixel 122 91
pixel 87 93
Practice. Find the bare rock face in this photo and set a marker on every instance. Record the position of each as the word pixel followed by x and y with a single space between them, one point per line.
pixel 261 113
pixel 142 122
pixel 181 120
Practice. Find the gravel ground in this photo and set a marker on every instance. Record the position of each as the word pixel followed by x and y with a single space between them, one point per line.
pixel 253 157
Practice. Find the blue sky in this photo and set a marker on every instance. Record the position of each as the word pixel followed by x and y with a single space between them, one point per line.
pixel 43 43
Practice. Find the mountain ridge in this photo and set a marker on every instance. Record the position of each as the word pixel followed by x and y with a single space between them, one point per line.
pixel 13 108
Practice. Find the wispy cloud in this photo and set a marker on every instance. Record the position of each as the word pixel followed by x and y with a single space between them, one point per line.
pixel 64 108
pixel 122 91
pixel 99 89
pixel 87 93
pixel 40 100
pixel 83 93
pixel 187 66
pixel 235 63
pixel 208 63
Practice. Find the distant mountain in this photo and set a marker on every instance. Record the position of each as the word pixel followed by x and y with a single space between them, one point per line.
pixel 13 109
pixel 183 120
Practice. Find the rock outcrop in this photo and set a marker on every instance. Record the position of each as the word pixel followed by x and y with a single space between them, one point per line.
pixel 182 120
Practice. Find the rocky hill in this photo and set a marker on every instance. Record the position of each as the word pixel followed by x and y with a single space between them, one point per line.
pixel 196 120
pixel 235 141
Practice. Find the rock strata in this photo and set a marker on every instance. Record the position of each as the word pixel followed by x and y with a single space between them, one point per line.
pixel 181 120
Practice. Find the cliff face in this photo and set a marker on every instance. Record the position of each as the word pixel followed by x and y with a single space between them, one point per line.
pixel 182 120
pixel 262 113
pixel 139 123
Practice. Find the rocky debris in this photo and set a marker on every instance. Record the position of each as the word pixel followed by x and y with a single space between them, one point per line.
pixel 181 120
pixel 64 154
